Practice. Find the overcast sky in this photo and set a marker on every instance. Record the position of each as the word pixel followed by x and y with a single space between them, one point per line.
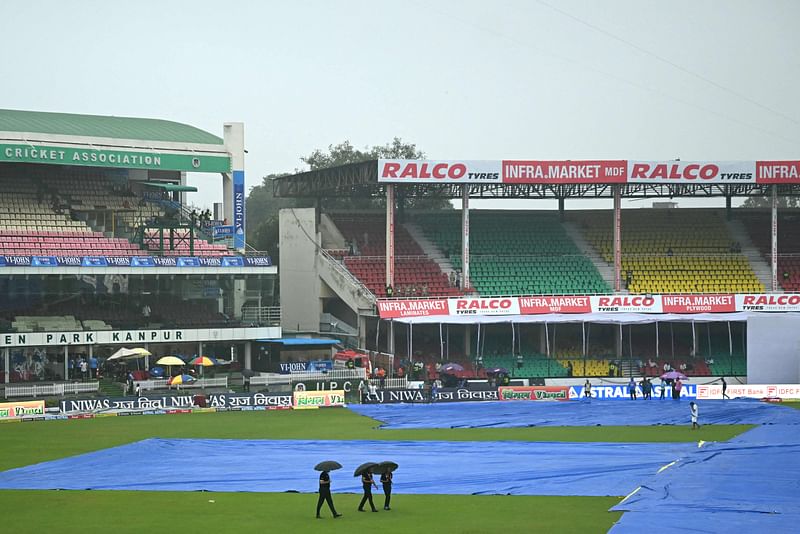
pixel 551 79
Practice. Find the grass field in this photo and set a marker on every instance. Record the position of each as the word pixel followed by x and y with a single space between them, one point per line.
pixel 142 512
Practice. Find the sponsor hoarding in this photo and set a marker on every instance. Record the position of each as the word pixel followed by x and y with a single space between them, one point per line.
pixel 394 396
pixel 691 172
pixel 533 393
pixel 620 391
pixel 135 261
pixel 685 304
pixel 439 171
pixel 318 399
pixel 753 391
pixel 175 402
pixel 564 172
pixel 11 410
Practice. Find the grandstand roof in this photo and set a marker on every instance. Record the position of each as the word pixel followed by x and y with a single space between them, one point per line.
pixel 361 180
pixel 103 126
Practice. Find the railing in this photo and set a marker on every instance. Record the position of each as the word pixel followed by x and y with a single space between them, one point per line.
pixel 394 383
pixel 344 271
pixel 200 383
pixel 336 374
pixel 51 390
pixel 262 315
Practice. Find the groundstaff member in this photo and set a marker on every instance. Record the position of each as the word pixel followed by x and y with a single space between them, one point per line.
pixel 325 494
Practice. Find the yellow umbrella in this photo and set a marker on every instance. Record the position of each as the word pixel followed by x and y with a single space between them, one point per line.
pixel 169 361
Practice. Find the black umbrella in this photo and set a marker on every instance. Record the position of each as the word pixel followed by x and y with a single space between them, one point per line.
pixel 248 373
pixel 328 465
pixel 363 467
pixel 385 467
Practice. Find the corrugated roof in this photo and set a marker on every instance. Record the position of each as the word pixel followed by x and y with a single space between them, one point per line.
pixel 102 126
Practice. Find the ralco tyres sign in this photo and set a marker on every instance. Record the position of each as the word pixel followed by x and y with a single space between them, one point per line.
pixel 401 171
pixel 537 305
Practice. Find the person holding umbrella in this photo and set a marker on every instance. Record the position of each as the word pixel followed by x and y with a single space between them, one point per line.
pixel 325 486
pixel 367 482
pixel 386 469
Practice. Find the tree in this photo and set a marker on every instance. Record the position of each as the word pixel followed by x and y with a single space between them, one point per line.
pixel 263 207
pixel 766 202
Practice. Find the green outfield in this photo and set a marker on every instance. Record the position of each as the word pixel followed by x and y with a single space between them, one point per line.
pixel 142 512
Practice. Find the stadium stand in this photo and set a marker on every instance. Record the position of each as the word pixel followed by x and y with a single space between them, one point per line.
pixel 758 226
pixel 516 253
pixel 415 274
pixel 665 251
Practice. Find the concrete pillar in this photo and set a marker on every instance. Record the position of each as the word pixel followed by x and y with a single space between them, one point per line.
pixel 618 340
pixel 390 341
pixel 561 209
pixel 617 238
pixel 469 335
pixel 7 363
pixel 542 339
pixel 147 358
pixel 728 207
pixel 233 138
pixel 774 249
pixel 465 283
pixel 66 362
pixel 248 355
pixel 362 331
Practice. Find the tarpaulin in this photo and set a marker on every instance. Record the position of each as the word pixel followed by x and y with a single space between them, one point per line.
pixel 441 467
pixel 579 413
pixel 750 484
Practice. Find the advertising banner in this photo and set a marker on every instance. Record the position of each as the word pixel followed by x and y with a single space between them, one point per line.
pixel 552 304
pixel 753 391
pixel 691 172
pixel 564 172
pixel 222 231
pixel 684 304
pixel 533 393
pixel 243 400
pixel 394 396
pixel 10 410
pixel 484 306
pixel 438 171
pixel 303 367
pixel 393 309
pixel 238 210
pixel 620 391
pixel 771 303
pixel 318 399
pixel 778 172
pixel 698 303
pixel 175 402
pixel 627 304
pixel 135 261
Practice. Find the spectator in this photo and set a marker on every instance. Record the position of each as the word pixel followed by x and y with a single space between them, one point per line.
pixel 93 367
pixel 667 367
pixel 669 252
pixel 569 369
pixel 632 388
pixel 724 388
pixel 587 389
pixel 84 369
pixel 682 366
pixel 389 291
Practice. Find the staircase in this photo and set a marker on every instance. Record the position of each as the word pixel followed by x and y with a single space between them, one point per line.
pixel 330 324
pixel 346 286
pixel 606 270
pixel 430 250
pixel 109 388
pixel 758 263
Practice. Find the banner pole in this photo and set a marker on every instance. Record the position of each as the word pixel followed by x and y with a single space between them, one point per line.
pixel 774 238
pixel 465 237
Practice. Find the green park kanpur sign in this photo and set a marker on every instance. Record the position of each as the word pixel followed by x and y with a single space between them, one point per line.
pixel 122 159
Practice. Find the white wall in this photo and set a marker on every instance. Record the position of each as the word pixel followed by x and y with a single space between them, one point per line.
pixel 773 349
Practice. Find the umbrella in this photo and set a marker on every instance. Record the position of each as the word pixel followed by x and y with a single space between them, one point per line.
pixel 451 368
pixel 497 371
pixel 170 360
pixel 363 467
pixel 157 372
pixel 180 379
pixel 248 373
pixel 126 354
pixel 385 467
pixel 205 361
pixel 672 375
pixel 328 465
